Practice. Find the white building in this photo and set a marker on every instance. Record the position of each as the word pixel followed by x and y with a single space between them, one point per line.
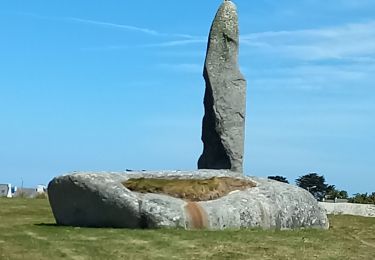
pixel 6 190
pixel 41 189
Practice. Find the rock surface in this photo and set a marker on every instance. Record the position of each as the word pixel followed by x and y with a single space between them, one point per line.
pixel 101 200
pixel 363 210
pixel 225 95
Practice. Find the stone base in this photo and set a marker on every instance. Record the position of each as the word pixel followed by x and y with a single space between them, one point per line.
pixel 101 200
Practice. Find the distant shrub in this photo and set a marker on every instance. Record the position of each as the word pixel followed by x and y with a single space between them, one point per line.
pixel 363 198
pixel 41 196
pixel 21 195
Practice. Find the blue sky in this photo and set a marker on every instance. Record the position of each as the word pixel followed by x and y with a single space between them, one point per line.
pixel 115 85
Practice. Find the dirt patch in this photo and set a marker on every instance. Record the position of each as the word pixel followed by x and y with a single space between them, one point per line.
pixel 189 189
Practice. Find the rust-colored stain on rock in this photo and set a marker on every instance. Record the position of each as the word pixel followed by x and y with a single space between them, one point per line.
pixel 197 217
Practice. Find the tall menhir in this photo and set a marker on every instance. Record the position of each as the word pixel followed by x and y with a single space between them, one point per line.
pixel 225 96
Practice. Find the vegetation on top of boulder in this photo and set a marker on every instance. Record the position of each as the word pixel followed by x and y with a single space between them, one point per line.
pixel 189 189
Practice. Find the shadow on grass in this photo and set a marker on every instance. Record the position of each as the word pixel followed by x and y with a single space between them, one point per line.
pixel 47 225
pixel 84 227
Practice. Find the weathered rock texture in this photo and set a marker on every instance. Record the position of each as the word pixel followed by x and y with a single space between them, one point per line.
pixel 225 96
pixel 101 200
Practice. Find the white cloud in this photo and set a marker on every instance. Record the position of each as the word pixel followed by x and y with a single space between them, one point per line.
pixel 175 43
pixel 315 77
pixel 131 28
pixel 112 25
pixel 350 40
pixel 336 58
pixel 115 25
pixel 347 41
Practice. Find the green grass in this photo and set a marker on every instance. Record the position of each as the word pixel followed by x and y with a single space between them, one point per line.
pixel 27 231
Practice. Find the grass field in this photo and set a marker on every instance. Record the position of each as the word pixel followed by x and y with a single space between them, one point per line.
pixel 27 231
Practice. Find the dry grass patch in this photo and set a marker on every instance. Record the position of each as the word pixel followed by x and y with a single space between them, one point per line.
pixel 189 189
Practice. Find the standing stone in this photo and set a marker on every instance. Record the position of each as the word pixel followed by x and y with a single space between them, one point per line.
pixel 225 95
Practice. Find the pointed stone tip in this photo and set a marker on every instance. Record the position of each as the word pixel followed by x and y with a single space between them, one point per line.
pixel 227 12
pixel 228 4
